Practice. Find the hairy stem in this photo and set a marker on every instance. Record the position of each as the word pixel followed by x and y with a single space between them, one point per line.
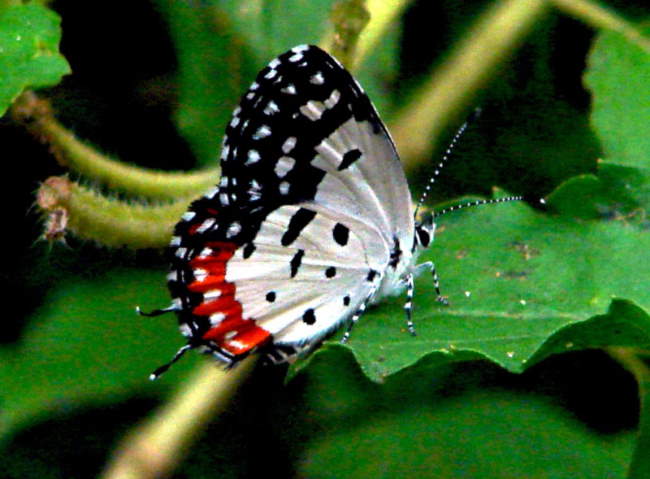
pixel 36 114
pixel 454 85
pixel 108 221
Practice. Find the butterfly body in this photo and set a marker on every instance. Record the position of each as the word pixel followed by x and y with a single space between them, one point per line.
pixel 311 221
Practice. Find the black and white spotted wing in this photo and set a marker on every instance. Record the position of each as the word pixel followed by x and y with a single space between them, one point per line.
pixel 303 124
pixel 311 220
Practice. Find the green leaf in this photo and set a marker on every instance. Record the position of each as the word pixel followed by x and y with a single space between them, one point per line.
pixel 617 73
pixel 515 278
pixel 616 192
pixel 29 51
pixel 618 77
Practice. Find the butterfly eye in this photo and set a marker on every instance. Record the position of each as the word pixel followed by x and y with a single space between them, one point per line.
pixel 423 233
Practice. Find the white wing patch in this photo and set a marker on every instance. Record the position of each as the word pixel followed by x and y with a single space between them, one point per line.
pixel 373 188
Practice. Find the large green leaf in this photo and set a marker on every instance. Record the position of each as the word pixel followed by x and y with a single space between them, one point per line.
pixel 617 76
pixel 514 278
pixel 29 51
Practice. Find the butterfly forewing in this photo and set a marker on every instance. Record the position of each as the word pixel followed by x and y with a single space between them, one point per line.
pixel 312 198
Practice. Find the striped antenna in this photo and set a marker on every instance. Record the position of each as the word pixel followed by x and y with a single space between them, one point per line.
pixel 476 203
pixel 445 157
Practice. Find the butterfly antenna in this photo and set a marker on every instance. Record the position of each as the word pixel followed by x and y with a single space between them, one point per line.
pixel 443 161
pixel 162 369
pixel 476 203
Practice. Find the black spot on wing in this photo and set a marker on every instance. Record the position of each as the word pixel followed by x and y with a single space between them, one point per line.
pixel 330 272
pixel 349 158
pixel 270 296
pixel 372 274
pixel 309 317
pixel 297 223
pixel 341 234
pixel 248 250
pixel 296 261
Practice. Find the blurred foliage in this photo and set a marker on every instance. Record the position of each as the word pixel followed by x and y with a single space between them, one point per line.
pixel 154 83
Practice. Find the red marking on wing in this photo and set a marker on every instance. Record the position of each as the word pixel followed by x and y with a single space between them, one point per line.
pixel 246 335
pixel 192 229
pixel 218 256
pixel 233 333
pixel 215 270
pixel 228 306
pixel 227 325
pixel 247 340
pixel 211 283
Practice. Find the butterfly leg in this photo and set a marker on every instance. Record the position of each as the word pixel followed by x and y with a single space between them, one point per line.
pixel 436 284
pixel 360 311
pixel 408 306
pixel 436 280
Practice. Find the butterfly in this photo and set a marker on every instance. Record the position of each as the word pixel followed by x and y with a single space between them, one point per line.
pixel 311 222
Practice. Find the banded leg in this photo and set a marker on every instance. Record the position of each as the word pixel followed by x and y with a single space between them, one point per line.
pixel 408 306
pixel 436 284
pixel 360 311
pixel 436 281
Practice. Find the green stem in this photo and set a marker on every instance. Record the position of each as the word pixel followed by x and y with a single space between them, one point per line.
pixel 36 115
pixel 383 15
pixel 108 221
pixel 348 19
pixel 156 447
pixel 454 85
pixel 598 16
pixel 358 26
